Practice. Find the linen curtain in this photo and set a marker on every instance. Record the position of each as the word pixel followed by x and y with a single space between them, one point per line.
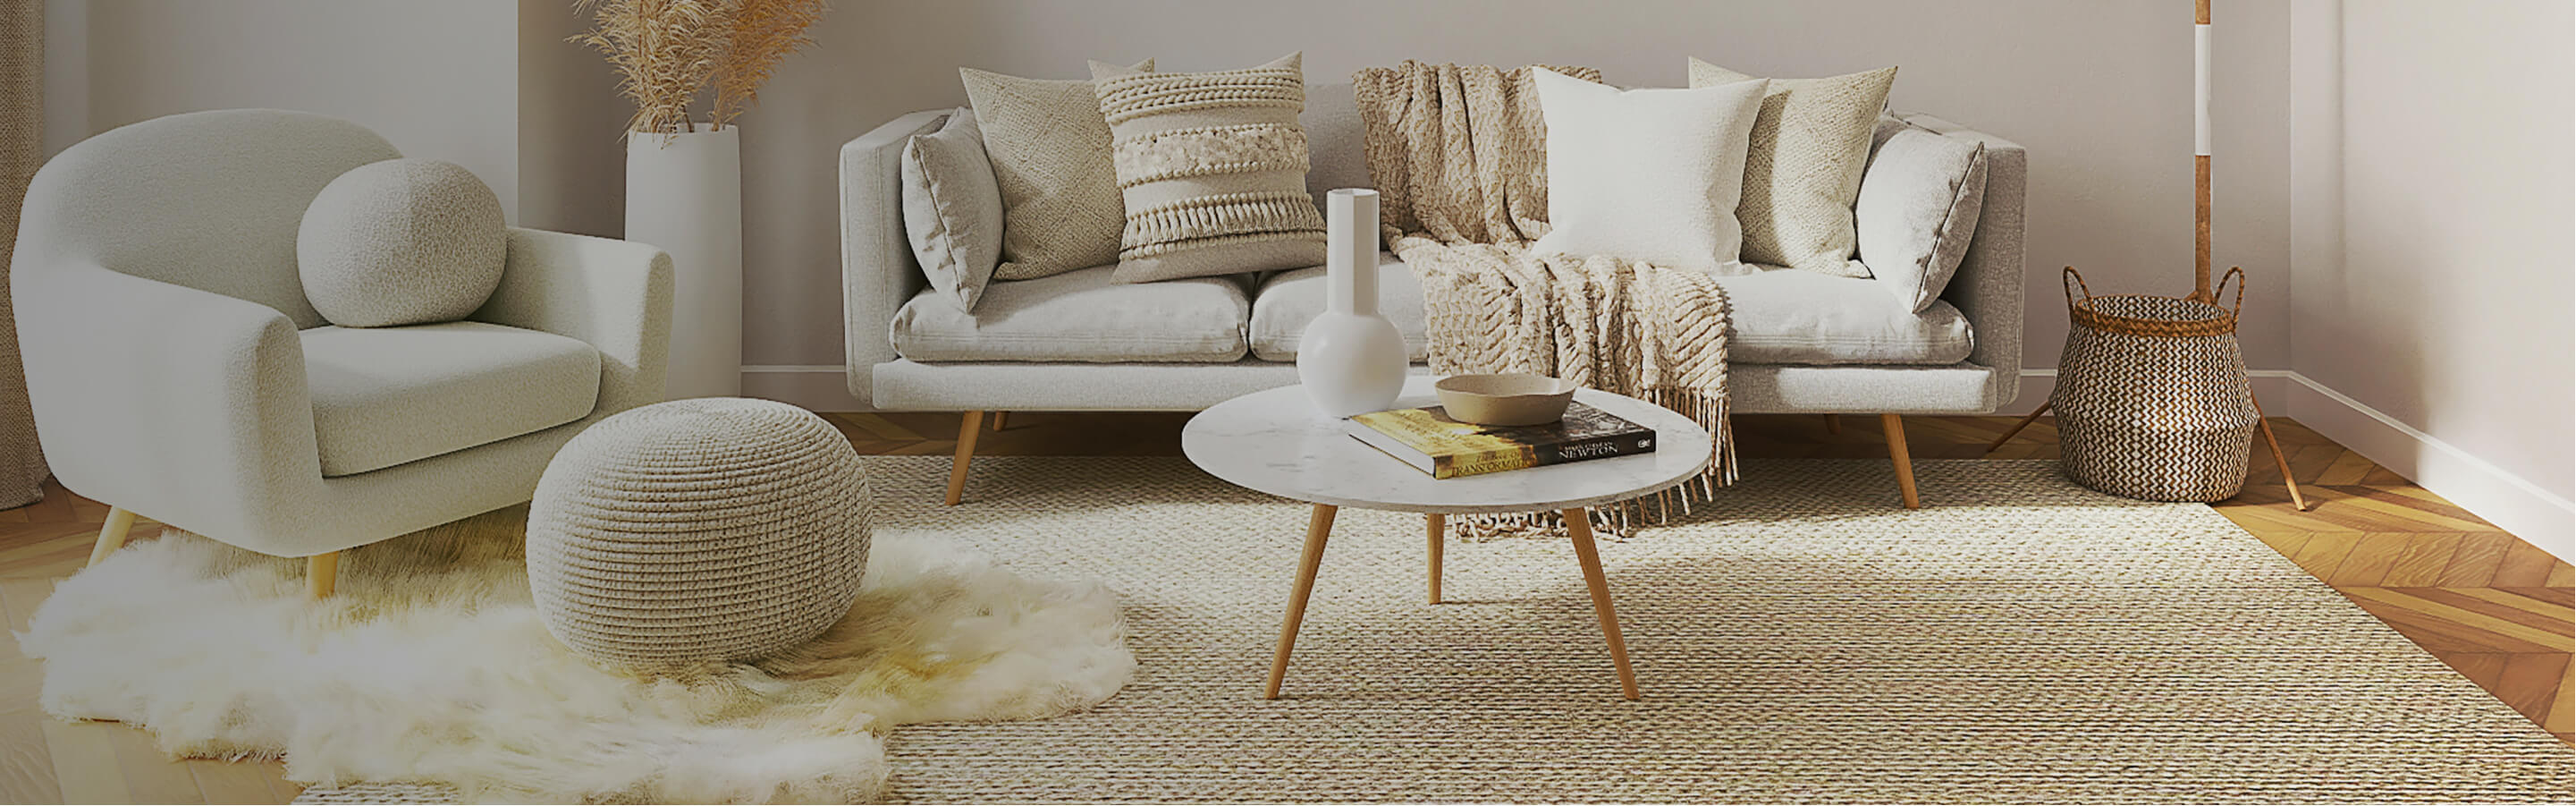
pixel 22 71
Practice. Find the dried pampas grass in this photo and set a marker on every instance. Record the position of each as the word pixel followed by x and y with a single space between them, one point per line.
pixel 669 51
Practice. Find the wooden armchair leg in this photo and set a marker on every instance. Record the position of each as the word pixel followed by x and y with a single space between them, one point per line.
pixel 112 536
pixel 1895 427
pixel 321 575
pixel 967 429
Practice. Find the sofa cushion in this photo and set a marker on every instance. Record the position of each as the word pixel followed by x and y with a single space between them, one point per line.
pixel 1781 316
pixel 1290 299
pixel 385 396
pixel 1082 316
pixel 1788 316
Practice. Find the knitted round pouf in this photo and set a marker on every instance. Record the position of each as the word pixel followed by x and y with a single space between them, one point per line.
pixel 695 530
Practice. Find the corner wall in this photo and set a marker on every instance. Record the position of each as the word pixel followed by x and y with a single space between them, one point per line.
pixel 2432 269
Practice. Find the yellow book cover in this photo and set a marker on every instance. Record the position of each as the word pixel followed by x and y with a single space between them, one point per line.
pixel 1432 442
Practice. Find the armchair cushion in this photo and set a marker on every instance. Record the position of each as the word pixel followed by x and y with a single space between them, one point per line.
pixel 386 396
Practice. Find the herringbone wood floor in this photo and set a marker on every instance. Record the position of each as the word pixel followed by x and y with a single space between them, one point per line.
pixel 2493 607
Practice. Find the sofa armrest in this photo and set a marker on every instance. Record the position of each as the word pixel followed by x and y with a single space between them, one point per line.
pixel 615 295
pixel 878 272
pixel 179 404
pixel 1988 288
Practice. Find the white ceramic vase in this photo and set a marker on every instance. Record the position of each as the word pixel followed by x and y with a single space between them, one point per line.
pixel 1351 360
pixel 684 194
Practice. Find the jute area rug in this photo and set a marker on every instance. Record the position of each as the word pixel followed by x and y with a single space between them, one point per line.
pixel 2019 639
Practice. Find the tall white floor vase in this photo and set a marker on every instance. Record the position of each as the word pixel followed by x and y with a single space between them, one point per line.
pixel 684 194
pixel 1351 359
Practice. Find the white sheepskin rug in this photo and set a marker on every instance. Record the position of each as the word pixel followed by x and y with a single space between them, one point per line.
pixel 430 666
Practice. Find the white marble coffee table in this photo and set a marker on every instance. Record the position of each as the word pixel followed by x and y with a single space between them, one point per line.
pixel 1276 443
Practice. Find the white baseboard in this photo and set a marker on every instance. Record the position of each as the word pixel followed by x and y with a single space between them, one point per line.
pixel 2509 501
pixel 817 387
pixel 2512 502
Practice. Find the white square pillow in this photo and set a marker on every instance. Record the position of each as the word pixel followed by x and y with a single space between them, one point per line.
pixel 1918 207
pixel 952 209
pixel 1651 175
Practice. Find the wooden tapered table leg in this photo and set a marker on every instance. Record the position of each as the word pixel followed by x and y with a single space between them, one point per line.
pixel 111 536
pixel 1318 527
pixel 967 428
pixel 1578 526
pixel 1438 527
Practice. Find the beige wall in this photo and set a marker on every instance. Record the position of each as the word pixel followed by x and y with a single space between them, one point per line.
pixel 2099 91
pixel 438 79
pixel 2435 271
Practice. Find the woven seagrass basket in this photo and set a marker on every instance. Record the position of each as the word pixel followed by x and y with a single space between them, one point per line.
pixel 2152 400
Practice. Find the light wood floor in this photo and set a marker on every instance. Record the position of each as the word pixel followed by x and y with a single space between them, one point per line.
pixel 2493 607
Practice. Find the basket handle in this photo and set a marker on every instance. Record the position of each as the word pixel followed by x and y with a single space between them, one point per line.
pixel 2236 274
pixel 2074 281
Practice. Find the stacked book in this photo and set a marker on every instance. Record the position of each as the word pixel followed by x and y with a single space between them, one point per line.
pixel 1431 442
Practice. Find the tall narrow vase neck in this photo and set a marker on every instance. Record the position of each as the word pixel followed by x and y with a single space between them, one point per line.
pixel 1350 257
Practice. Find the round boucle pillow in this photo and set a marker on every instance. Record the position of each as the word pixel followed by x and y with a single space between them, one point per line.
pixel 401 242
pixel 714 529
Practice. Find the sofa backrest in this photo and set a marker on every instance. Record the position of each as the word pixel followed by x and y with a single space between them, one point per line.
pixel 207 200
pixel 1336 158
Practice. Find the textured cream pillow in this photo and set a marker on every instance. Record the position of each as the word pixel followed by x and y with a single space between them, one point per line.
pixel 1213 168
pixel 1649 175
pixel 1803 171
pixel 1918 207
pixel 1050 153
pixel 401 242
pixel 952 209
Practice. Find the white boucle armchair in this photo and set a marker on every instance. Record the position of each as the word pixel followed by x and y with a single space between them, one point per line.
pixel 166 338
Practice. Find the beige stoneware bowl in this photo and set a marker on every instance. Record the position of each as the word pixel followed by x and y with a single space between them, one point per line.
pixel 1512 398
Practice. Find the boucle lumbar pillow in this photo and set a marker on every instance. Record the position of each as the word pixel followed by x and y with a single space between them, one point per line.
pixel 1918 207
pixel 1802 174
pixel 1050 152
pixel 1213 170
pixel 952 209
pixel 1651 175
pixel 401 242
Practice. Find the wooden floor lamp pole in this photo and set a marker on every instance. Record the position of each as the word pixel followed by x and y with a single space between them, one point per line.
pixel 2200 290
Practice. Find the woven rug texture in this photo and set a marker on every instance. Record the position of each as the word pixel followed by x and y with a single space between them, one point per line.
pixel 1803 640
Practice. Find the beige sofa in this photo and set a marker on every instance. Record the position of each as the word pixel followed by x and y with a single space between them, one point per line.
pixel 1802 342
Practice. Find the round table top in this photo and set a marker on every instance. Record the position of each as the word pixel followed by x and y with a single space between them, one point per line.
pixel 1276 442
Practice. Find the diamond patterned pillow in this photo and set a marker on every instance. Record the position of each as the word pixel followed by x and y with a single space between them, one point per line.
pixel 1803 171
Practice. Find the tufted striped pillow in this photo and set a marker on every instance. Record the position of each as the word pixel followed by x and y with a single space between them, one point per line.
pixel 1213 170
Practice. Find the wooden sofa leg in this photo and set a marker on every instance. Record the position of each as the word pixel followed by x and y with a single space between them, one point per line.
pixel 1833 424
pixel 321 575
pixel 997 419
pixel 112 536
pixel 1895 427
pixel 967 428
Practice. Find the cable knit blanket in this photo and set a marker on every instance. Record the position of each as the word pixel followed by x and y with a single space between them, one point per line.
pixel 1459 157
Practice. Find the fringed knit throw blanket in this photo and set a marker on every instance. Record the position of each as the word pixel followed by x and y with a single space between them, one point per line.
pixel 1459 157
